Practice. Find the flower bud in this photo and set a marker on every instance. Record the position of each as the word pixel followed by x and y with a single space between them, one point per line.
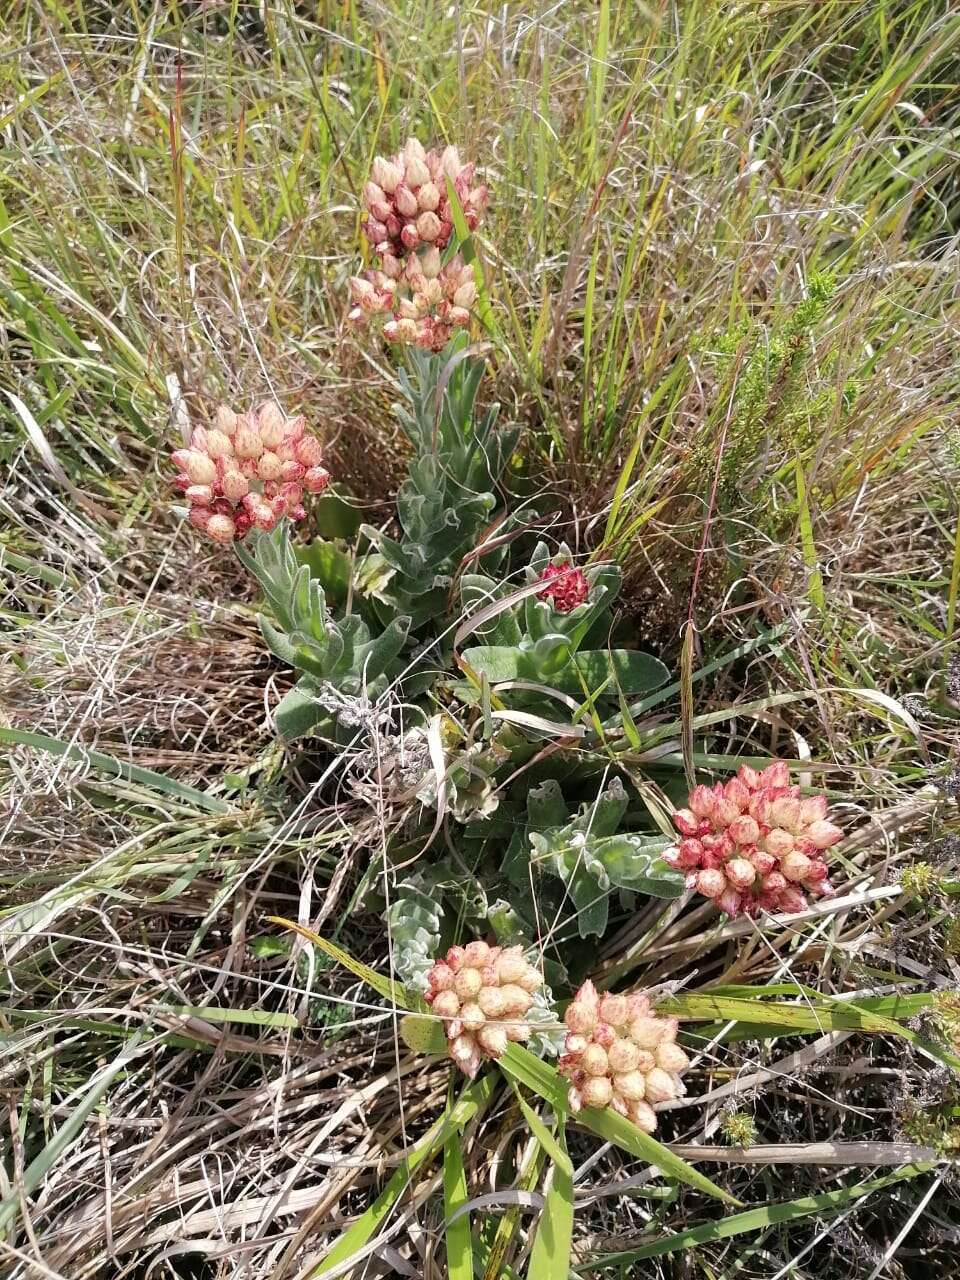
pixel 745 830
pixel 740 872
pixel 670 1057
pixel 594 1060
pixel 440 977
pixel 597 1091
pixel 643 1116
pixel 580 1018
pixel 659 1086
pixel 510 965
pixel 623 1056
pixel 778 842
pixel 247 442
pixel 492 1040
pixel 702 802
pixel 221 528
pixel 235 485
pixel 613 1009
pixel 406 201
pixel 517 1000
pixel 446 1004
pixel 385 174
pixel 466 1054
pixel 467 983
pixel 417 172
pixel 428 226
pixel 823 834
pixel 795 866
pixel 711 883
pixel 493 1002
pixel 646 1033
pixel 686 823
pixel 631 1085
pixel 472 1017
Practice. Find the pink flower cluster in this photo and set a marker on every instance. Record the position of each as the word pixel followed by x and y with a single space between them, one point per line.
pixel 483 994
pixel 249 469
pixel 755 843
pixel 565 586
pixel 426 301
pixel 619 1054
pixel 407 204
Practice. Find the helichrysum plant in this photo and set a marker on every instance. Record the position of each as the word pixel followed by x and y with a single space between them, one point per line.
pixel 618 1053
pixel 755 843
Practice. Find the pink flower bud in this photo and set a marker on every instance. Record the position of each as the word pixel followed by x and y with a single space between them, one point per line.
pixel 410 236
pixel 406 201
pixel 812 809
pixel 730 902
pixel 440 977
pixel 741 873
pixel 517 1000
pixel 774 882
pixel 702 802
pixel 823 834
pixel 450 163
pixel 659 1086
pixel 417 172
pixel 745 830
pixel 455 958
pixel 510 965
pixel 292 472
pixel 309 451
pixel 738 792
pixel 785 812
pixel 763 862
pixel 428 197
pixel 776 774
pixel 428 226
pixel 580 1018
pixel 235 485
pixel 791 900
pixel 711 883
pixel 199 517
pixel 200 495
pixel 749 777
pixel 686 823
pixel 269 467
pixel 221 529
pixel 247 442
pixel 727 811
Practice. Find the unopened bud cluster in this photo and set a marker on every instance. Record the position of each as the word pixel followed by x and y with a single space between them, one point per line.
pixel 755 843
pixel 407 203
pixel 249 470
pixel 619 1054
pixel 425 301
pixel 565 587
pixel 483 994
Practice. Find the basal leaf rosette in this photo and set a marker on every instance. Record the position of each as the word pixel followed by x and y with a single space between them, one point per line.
pixel 755 843
pixel 249 470
pixel 619 1054
pixel 483 994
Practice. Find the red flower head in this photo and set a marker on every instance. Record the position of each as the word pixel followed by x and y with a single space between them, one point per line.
pixel 565 586
pixel 755 843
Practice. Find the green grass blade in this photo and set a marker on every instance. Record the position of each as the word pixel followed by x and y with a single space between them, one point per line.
pixel 110 765
pixel 456 1228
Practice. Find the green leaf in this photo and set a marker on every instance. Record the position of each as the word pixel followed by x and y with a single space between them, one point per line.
pixel 115 768
pixel 550 1256
pixel 752 1220
pixel 385 987
pixel 299 711
pixel 544 1080
pixel 330 566
pixel 335 516
pixel 422 1035
pixel 628 670
pixel 457 1224
pixel 471 1102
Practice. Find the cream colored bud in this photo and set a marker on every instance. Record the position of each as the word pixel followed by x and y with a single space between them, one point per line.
pixel 430 263
pixel 624 1056
pixel 221 528
pixel 466 295
pixel 643 1116
pixel 517 1000
pixel 472 1017
pixel 450 162
pixel 631 1085
pixel 428 226
pixel 235 485
pixel 613 1009
pixel 467 984
pixel 795 865
pixel 519 1032
pixel 594 1060
pixel 466 1054
pixel 596 1092
pixel 531 980
pixel 385 174
pixel 200 468
pixel 247 442
pixel 672 1058
pixel 646 1033
pixel 446 1004
pixel 441 977
pixel 492 1040
pixel 219 445
pixel 269 467
pixel 428 197
pixel 226 420
pixel 510 966
pixel 406 201
pixel 475 954
pixel 659 1086
pixel 416 173
pixel 492 1001
pixel 580 1018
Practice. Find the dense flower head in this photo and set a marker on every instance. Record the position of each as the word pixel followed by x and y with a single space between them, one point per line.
pixel 619 1054
pixel 407 204
pixel 565 586
pixel 424 301
pixel 249 470
pixel 483 994
pixel 755 843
